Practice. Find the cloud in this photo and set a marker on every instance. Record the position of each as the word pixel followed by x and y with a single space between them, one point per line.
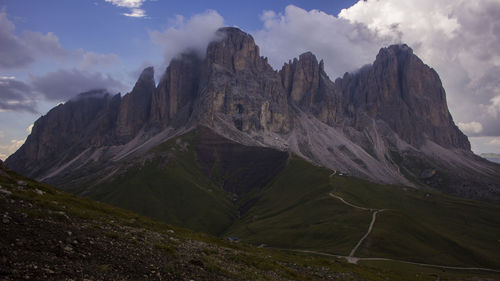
pixel 14 52
pixel 16 95
pixel 494 107
pixel 30 127
pixel 63 84
pixel 343 46
pixel 133 5
pixel 458 38
pixel 485 144
pixel 193 34
pixel 494 141
pixel 127 3
pixel 90 59
pixel 470 127
pixel 135 13
pixel 19 52
pixel 45 45
pixel 10 147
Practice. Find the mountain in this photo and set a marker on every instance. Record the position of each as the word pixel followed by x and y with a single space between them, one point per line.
pixel 290 159
pixel 387 122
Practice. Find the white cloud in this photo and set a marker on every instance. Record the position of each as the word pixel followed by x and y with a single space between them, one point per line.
pixel 470 127
pixel 133 5
pixel 30 127
pixel 7 149
pixel 494 106
pixel 136 13
pixel 127 3
pixel 344 46
pixel 193 34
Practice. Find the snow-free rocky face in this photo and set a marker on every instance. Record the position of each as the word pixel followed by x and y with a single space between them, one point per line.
pixel 388 122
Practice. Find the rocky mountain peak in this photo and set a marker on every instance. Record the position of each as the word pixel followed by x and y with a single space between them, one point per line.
pixel 177 88
pixel 235 50
pixel 400 84
pixel 400 51
pixel 96 93
pixel 135 106
pixel 147 77
pixel 301 76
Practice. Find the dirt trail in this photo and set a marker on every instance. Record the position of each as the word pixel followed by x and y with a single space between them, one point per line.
pixel 374 217
pixel 351 257
pixel 347 203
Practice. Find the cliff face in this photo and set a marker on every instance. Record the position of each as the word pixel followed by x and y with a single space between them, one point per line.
pixel 309 87
pixel 136 106
pixel 176 91
pixel 388 122
pixel 240 88
pixel 65 131
pixel 405 93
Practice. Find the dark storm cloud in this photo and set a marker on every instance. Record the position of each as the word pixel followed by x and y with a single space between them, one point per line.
pixel 63 84
pixel 16 96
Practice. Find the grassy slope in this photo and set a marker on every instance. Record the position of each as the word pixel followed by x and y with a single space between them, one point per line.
pixel 115 244
pixel 170 187
pixel 294 211
pixel 426 226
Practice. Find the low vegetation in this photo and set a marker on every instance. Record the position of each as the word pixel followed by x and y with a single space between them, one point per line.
pixel 52 235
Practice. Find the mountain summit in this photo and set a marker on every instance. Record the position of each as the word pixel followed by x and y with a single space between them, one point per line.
pixel 388 122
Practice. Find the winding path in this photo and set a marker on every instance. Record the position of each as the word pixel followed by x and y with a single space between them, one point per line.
pixel 374 217
pixel 351 257
pixel 394 260
pixel 347 203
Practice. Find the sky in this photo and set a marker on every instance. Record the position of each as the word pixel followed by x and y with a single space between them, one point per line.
pixel 52 50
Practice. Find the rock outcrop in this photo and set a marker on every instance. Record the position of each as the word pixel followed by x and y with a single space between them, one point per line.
pixel 66 130
pixel 136 106
pixel 239 86
pixel 388 122
pixel 406 94
pixel 309 87
pixel 176 91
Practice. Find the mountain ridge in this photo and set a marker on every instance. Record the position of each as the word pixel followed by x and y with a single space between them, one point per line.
pixel 388 122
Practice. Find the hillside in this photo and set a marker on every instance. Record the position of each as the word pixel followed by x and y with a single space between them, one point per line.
pixel 290 204
pixel 50 234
